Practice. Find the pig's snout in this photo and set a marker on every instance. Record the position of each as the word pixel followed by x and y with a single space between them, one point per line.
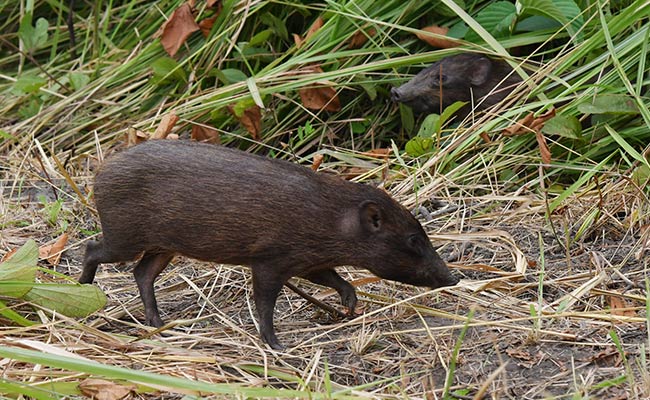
pixel 396 95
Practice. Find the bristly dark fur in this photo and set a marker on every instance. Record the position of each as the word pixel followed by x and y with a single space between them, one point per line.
pixel 473 78
pixel 212 203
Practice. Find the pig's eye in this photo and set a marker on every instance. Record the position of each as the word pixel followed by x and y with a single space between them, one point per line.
pixel 415 243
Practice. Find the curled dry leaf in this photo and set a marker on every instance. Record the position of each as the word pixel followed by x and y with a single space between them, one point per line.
pixel 166 125
pixel 318 160
pixel 178 28
pixel 100 389
pixel 437 42
pixel 52 252
pixel 251 119
pixel 361 37
pixel 202 133
pixel 529 124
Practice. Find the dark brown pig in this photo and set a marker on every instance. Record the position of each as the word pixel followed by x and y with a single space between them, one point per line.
pixel 211 203
pixel 473 78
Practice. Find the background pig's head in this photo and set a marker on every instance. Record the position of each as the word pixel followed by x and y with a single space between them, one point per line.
pixel 392 245
pixel 463 77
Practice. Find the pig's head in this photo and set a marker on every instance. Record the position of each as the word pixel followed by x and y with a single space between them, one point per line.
pixel 391 244
pixel 451 79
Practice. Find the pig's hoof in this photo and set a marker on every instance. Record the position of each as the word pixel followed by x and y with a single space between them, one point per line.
pixel 154 321
pixel 273 342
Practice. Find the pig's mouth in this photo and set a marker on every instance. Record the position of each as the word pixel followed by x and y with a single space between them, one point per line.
pixel 451 280
pixel 419 104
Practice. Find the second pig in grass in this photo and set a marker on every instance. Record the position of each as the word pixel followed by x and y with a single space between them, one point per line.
pixel 211 203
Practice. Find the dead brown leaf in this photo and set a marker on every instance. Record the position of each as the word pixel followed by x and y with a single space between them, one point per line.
pixel 378 153
pixel 134 136
pixel 99 389
pixel 318 160
pixel 544 150
pixel 609 357
pixel 178 28
pixel 319 97
pixel 213 3
pixel 529 124
pixel 437 42
pixel 202 133
pixel 361 37
pixel 620 306
pixel 251 119
pixel 52 252
pixel 166 125
pixel 526 359
pixel 206 24
pixel 299 41
pixel 485 137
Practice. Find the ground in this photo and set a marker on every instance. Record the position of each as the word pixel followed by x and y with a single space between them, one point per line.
pixel 547 308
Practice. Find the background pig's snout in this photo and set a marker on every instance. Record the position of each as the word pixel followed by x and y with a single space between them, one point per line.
pixel 395 95
pixel 452 280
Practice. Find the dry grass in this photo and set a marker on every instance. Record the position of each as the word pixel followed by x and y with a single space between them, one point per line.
pixel 544 323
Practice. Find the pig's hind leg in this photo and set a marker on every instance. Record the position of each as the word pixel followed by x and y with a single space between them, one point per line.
pixel 266 287
pixel 146 272
pixel 329 278
pixel 97 252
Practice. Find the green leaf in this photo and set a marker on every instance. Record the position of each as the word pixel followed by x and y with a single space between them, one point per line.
pixel 230 75
pixel 276 24
pixel 28 84
pixel 448 113
pixel 562 11
pixel 242 105
pixel 68 299
pixel 418 146
pixel 4 135
pixel 32 37
pixel 13 316
pixel 563 125
pixel 78 80
pixel 626 146
pixel 167 71
pixel 428 127
pixel 458 30
pixel 21 268
pixel 260 38
pixel 536 23
pixel 442 9
pixel 641 175
pixel 497 18
pixel 609 104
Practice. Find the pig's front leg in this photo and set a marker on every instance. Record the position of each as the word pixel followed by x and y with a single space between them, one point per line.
pixel 266 287
pixel 329 278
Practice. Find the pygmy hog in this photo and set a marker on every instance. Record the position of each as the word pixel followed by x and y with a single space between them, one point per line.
pixel 211 203
pixel 472 78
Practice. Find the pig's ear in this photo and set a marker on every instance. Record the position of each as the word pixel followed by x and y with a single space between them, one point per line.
pixel 371 216
pixel 480 71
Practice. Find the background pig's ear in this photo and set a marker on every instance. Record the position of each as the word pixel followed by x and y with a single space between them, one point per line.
pixel 480 71
pixel 371 216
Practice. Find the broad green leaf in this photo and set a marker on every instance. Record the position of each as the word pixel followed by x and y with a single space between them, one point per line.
pixel 641 175
pixel 536 23
pixel 428 127
pixel 609 104
pixel 497 18
pixel 33 37
pixel 570 10
pixel 242 105
pixel 276 24
pixel 448 113
pixel 418 146
pixel 563 125
pixel 441 9
pixel 260 38
pixel 16 289
pixel 72 300
pixel 21 267
pixel 458 30
pixel 562 11
pixel 28 84
pixel 230 75
pixel 78 80
pixel 167 71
